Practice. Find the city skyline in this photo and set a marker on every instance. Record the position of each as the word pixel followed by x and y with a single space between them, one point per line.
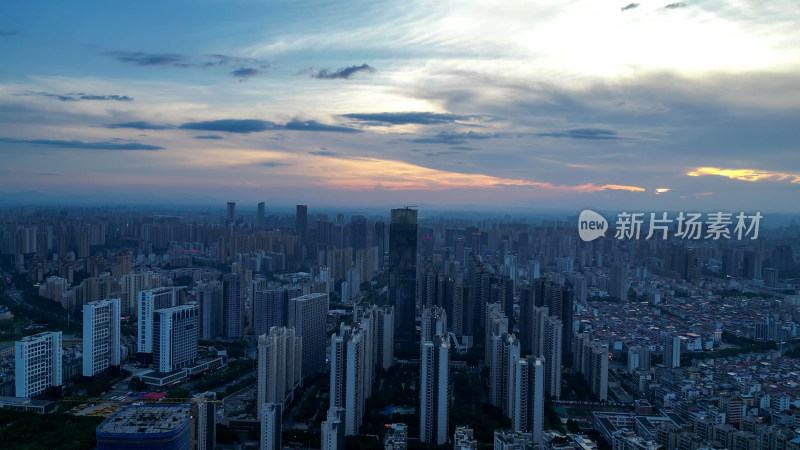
pixel 459 104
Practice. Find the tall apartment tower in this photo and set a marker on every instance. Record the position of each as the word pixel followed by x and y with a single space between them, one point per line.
pixel 385 337
pixel 149 302
pixel 379 241
pixel 271 425
pixel 496 324
pixel 351 374
pixel 231 217
pixel 208 295
pixel 591 359
pixel 307 315
pixel 301 221
pixel 333 430
pixel 175 335
pixel 37 364
pixel 434 398
pixel 505 349
pixel 548 343
pixel 280 359
pixel 672 351
pixel 205 425
pixel 232 306
pixel 101 336
pixel 527 396
pixel 619 282
pixel 403 271
pixel 271 307
pixel 559 300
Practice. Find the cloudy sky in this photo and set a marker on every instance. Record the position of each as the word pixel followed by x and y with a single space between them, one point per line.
pixel 586 103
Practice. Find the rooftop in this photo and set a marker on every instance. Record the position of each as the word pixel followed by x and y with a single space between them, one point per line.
pixel 146 419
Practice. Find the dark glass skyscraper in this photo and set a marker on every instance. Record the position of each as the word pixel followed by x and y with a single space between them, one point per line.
pixel 261 218
pixel 358 233
pixel 301 220
pixel 403 271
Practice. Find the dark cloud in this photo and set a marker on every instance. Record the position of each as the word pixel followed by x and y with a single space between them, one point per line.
pixel 8 33
pixel 675 5
pixel 342 72
pixel 402 118
pixel 75 96
pixel 244 126
pixel 151 59
pixel 323 153
pixel 83 145
pixel 140 125
pixel 584 133
pixel 441 153
pixel 244 73
pixel 245 68
pixel 273 164
pixel 630 6
pixel 211 136
pixel 313 125
pixel 462 148
pixel 451 138
pixel 118 98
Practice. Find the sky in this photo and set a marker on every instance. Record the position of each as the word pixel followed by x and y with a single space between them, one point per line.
pixel 467 104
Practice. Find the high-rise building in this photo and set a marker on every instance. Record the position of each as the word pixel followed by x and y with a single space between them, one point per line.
pixel 619 283
pixel 496 325
pixel 175 335
pixel 231 212
pixel 101 336
pixel 434 398
pixel 505 349
pixel 271 426
pixel 271 307
pixel 672 350
pixel 333 430
pixel 547 343
pixel 434 323
pixel 591 359
pixel 559 300
pixel 206 420
pixel 232 306
pixel 638 358
pixel 351 373
pixel 280 358
pixel 129 286
pixel 301 221
pixel 403 271
pixel 149 302
pixel 379 241
pixel 434 377
pixel 307 315
pixel 385 337
pixel 37 364
pixel 527 396
pixel 261 218
pixel 208 295
pixel 358 233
